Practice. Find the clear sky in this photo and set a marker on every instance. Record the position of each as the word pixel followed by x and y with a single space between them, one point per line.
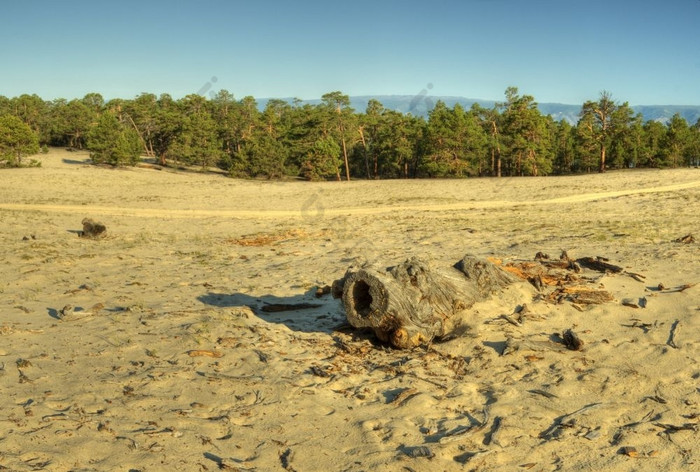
pixel 646 52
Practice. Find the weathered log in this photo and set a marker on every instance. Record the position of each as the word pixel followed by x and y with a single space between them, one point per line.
pixel 414 302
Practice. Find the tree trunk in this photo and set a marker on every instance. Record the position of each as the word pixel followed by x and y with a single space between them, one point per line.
pixel 414 302
pixel 364 145
pixel 602 158
pixel 345 156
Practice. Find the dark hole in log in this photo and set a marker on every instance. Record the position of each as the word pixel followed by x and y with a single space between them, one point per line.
pixel 361 297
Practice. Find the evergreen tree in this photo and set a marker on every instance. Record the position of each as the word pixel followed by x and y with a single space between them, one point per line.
pixel 196 142
pixel 113 142
pixel 323 160
pixel 72 121
pixel 368 129
pixel 491 121
pixel 525 135
pixel 564 148
pixel 677 141
pixel 339 111
pixel 622 143
pixel 586 144
pixel 17 140
pixel 599 120
pixel 694 145
pixel 651 153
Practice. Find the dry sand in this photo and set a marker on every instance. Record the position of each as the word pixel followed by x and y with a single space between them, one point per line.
pixel 125 381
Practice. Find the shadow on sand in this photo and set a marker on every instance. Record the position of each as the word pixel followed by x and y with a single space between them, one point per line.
pixel 82 162
pixel 304 312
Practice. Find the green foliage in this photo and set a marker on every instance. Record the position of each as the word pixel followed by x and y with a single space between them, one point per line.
pixel 599 118
pixel 651 150
pixel 338 119
pixel 17 140
pixel 112 142
pixel 322 141
pixel 323 160
pixel 528 142
pixel 71 122
pixel 677 142
pixel 264 156
pixel 196 141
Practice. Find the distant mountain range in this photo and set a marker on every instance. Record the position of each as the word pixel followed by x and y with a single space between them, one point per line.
pixel 420 105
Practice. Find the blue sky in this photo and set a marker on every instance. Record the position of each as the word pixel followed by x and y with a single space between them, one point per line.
pixel 644 52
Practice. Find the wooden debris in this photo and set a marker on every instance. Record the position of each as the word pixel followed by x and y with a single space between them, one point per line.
pixel 672 428
pixel 204 353
pixel 66 311
pixel 92 229
pixel 582 295
pixel 687 239
pixel 572 341
pixel 511 320
pixel 543 393
pixel 637 323
pixel 680 288
pixel 563 421
pixel 462 431
pixel 628 451
pixel 630 302
pixel 419 451
pixel 404 396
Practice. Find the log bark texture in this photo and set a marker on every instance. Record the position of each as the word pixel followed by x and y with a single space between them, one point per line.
pixel 414 302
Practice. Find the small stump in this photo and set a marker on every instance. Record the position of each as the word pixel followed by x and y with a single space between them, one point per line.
pixel 92 229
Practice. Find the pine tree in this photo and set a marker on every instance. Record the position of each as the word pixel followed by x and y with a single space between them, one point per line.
pixel 112 142
pixel 17 140
pixel 323 161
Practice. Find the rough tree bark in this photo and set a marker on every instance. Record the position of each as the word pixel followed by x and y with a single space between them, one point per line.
pixel 415 302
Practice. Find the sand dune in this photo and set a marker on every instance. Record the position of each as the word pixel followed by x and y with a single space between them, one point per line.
pixel 165 360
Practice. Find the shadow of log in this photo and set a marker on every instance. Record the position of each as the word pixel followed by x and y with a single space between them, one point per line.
pixel 304 312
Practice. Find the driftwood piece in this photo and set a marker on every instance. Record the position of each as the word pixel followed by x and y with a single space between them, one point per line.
pixel 687 239
pixel 414 302
pixel 572 341
pixel 92 228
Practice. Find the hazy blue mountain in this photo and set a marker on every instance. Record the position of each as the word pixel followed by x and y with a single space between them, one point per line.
pixel 420 105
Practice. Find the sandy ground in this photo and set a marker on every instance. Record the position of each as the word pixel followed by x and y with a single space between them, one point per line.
pixel 125 380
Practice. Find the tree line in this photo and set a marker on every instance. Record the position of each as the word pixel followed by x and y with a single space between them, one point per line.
pixel 332 141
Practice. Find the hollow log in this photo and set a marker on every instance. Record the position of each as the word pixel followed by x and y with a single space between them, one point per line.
pixel 414 302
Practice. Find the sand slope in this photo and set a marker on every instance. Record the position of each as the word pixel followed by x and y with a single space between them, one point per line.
pixel 126 380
